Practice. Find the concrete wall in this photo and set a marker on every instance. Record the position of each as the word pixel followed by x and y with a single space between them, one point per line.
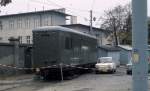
pixel 6 54
pixel 8 57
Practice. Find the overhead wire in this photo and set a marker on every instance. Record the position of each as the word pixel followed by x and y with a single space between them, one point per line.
pixel 54 4
pixel 69 9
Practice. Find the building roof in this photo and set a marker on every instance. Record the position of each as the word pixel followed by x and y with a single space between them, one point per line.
pixel 85 26
pixel 58 11
pixel 125 47
pixel 109 48
pixel 59 28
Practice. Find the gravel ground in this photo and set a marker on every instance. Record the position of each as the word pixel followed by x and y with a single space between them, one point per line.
pixel 87 82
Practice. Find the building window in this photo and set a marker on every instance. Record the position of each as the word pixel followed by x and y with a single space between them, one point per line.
pixel 1 26
pixel 27 23
pixel 68 43
pixel 36 22
pixel 19 23
pixel 11 24
pixel 28 39
pixel 20 39
pixel 46 21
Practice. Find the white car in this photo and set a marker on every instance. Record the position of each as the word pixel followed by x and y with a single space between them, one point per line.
pixel 105 64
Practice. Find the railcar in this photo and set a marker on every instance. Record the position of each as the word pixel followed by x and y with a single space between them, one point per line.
pixel 58 49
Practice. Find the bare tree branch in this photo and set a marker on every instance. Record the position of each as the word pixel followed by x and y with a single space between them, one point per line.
pixel 4 2
pixel 117 20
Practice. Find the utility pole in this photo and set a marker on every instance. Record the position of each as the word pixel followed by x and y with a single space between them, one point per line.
pixel 91 20
pixel 140 45
pixel 115 32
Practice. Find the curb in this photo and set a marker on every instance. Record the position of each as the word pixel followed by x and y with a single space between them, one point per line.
pixel 3 82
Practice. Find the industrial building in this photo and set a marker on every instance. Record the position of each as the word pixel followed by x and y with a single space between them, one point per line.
pixel 21 25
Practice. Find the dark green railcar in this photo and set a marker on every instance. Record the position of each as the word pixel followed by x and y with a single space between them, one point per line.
pixel 57 45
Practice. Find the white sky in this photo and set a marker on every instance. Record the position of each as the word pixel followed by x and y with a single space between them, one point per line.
pixel 78 8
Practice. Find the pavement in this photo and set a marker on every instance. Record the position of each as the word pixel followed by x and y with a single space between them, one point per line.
pixel 86 82
pixel 7 87
pixel 119 81
pixel 15 81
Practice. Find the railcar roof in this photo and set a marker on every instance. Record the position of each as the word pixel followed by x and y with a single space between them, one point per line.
pixel 59 28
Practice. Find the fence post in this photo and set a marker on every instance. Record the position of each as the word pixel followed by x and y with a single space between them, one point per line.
pixel 15 42
pixel 61 70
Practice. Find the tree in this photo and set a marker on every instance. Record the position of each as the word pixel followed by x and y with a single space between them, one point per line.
pixel 4 2
pixel 118 20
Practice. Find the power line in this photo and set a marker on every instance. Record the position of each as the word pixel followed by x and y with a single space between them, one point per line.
pixel 54 4
pixel 71 10
pixel 58 5
pixel 67 7
pixel 39 2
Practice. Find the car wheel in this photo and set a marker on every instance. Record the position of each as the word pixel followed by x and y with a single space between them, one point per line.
pixel 129 72
pixel 114 71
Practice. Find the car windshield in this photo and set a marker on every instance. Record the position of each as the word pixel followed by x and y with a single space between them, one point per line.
pixel 105 60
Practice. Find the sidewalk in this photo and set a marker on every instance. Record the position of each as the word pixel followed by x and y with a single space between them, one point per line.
pixel 14 81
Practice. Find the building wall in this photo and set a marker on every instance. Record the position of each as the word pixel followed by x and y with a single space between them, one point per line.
pixel 125 56
pixel 102 53
pixel 102 39
pixel 101 36
pixel 115 56
pixel 22 25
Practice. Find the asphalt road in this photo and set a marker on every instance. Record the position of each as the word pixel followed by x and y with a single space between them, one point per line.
pixel 87 82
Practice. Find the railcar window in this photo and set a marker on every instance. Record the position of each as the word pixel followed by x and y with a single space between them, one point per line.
pixel 68 43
